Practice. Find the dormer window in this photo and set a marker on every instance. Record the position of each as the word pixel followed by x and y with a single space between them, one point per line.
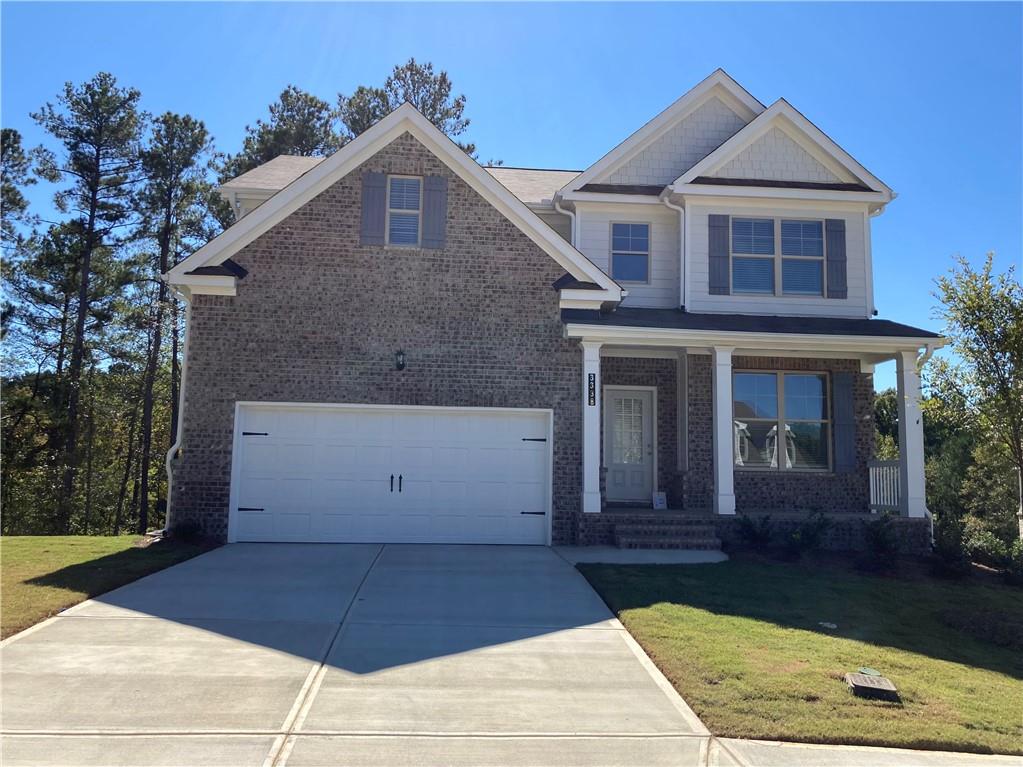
pixel 404 210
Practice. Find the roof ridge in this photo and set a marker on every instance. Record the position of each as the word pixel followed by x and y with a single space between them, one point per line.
pixel 519 167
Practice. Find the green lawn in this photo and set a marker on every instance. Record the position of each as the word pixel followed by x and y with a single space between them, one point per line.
pixel 741 642
pixel 41 575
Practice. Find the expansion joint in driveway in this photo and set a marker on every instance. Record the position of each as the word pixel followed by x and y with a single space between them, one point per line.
pixel 281 746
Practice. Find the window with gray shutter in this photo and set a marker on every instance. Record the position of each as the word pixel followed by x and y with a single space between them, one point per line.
pixel 404 210
pixel 374 208
pixel 717 250
pixel 435 211
pixel 845 423
pixel 837 285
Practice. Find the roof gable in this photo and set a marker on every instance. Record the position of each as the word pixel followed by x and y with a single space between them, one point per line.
pixel 679 136
pixel 324 174
pixel 781 145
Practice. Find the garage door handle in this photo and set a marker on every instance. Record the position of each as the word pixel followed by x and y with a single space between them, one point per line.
pixel 399 483
pixel 534 513
pixel 392 483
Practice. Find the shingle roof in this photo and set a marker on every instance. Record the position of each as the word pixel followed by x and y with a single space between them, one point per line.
pixel 743 323
pixel 274 175
pixel 532 185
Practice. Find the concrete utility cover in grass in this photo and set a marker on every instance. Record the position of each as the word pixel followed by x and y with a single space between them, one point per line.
pixel 871 686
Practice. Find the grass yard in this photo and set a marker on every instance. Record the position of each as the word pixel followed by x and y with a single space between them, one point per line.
pixel 742 642
pixel 42 575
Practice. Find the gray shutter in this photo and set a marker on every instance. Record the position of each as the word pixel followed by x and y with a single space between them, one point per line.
pixel 435 211
pixel 835 240
pixel 717 248
pixel 374 208
pixel 844 422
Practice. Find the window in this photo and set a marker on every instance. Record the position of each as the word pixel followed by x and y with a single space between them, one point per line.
pixel 630 252
pixel 802 263
pixel 756 244
pixel 404 208
pixel 753 255
pixel 780 420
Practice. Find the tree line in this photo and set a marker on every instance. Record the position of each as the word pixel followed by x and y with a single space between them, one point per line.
pixel 91 334
pixel 973 414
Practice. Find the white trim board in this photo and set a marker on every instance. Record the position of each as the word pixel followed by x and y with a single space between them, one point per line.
pixel 405 119
pixel 548 413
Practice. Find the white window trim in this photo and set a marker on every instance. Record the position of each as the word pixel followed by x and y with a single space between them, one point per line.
pixel 404 211
pixel 611 252
pixel 779 291
pixel 781 420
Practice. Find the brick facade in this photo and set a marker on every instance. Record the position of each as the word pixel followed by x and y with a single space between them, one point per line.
pixel 780 490
pixel 319 317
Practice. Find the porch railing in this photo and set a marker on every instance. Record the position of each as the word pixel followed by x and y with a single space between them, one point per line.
pixel 884 485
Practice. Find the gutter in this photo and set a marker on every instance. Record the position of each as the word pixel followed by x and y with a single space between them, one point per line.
pixel 681 247
pixel 186 297
pixel 571 216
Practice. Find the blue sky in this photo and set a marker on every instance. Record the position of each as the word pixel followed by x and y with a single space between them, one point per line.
pixel 927 96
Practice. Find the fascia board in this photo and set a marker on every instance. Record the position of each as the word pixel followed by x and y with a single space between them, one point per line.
pixel 711 191
pixel 759 341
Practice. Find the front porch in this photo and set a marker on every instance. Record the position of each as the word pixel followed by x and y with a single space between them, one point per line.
pixel 782 427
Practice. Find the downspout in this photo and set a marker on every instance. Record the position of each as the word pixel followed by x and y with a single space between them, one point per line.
pixel 681 247
pixel 571 216
pixel 187 298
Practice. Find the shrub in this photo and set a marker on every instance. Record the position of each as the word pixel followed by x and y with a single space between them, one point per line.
pixel 985 547
pixel 882 544
pixel 807 537
pixel 1014 563
pixel 951 558
pixel 756 533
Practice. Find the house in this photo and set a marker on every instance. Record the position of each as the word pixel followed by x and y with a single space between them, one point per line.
pixel 397 344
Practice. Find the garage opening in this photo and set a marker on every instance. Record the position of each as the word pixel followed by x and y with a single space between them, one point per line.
pixel 332 473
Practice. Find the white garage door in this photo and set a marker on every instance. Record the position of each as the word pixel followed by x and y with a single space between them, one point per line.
pixel 335 473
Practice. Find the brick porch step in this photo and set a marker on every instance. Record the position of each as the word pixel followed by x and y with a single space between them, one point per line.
pixel 667 534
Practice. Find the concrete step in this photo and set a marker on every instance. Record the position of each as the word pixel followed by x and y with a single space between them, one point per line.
pixel 667 542
pixel 672 530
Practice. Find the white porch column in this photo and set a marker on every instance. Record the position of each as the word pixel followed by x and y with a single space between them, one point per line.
pixel 591 426
pixel 724 447
pixel 912 495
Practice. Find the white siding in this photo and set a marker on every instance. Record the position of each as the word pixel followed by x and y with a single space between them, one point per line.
pixel 559 223
pixel 594 223
pixel 681 147
pixel 776 156
pixel 700 299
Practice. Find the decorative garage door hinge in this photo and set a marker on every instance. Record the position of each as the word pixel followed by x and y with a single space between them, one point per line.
pixel 534 513
pixel 249 508
pixel 534 439
pixel 255 434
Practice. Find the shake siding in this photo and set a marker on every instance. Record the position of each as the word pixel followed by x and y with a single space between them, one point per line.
pixel 595 243
pixel 700 299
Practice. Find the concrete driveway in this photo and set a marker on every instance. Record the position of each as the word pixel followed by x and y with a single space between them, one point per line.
pixel 299 655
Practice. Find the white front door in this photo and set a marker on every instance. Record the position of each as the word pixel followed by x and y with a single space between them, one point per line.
pixel 629 443
pixel 349 473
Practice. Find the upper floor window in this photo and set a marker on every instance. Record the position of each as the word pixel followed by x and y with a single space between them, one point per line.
pixel 630 252
pixel 404 209
pixel 767 252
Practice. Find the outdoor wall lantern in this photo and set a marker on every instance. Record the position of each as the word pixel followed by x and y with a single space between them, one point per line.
pixel 399 360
